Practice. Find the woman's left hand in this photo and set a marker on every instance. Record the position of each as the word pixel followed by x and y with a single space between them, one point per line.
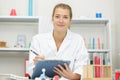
pixel 65 72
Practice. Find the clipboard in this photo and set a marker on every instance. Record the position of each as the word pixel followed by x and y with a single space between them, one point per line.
pixel 49 66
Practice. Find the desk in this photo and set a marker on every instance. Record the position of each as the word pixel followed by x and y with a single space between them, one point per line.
pixel 12 77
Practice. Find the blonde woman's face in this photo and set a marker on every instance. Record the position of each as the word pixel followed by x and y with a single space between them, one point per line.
pixel 61 19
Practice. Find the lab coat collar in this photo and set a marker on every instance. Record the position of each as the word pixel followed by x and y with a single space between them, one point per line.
pixel 65 43
pixel 68 36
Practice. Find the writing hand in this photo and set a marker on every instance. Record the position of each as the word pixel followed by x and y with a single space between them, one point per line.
pixel 38 58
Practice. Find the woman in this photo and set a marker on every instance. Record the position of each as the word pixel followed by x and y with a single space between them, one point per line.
pixel 62 44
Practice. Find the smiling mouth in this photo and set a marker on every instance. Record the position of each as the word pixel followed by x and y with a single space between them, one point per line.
pixel 61 25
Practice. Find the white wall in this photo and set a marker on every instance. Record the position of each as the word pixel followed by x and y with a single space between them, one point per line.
pixel 117 15
pixel 80 8
pixel 86 8
pixel 19 5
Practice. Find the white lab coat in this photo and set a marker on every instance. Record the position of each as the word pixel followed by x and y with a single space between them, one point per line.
pixel 72 49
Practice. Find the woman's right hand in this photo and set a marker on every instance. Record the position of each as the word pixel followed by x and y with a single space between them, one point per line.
pixel 38 58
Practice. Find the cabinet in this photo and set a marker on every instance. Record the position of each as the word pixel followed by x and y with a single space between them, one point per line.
pixel 12 58
pixel 92 30
pixel 97 37
pixel 12 27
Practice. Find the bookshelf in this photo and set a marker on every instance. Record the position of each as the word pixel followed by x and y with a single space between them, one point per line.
pixel 97 37
pixel 10 28
pixel 93 29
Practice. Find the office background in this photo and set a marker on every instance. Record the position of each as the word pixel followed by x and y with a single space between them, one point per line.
pixel 81 8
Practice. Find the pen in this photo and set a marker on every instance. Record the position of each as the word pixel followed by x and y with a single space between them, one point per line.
pixel 34 52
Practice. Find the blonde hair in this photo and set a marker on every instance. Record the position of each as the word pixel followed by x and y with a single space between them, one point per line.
pixel 64 6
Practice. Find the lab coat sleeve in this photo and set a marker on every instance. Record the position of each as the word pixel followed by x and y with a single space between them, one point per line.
pixel 81 58
pixel 36 48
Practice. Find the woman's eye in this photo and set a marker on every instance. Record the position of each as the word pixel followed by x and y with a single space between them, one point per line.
pixel 56 16
pixel 66 17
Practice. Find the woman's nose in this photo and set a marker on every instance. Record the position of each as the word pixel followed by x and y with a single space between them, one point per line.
pixel 61 20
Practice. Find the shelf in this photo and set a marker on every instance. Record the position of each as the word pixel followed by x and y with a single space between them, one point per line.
pixel 97 79
pixel 22 19
pixel 36 19
pixel 98 51
pixel 27 50
pixel 14 49
pixel 90 21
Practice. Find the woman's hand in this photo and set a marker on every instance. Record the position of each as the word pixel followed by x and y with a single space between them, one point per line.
pixel 66 72
pixel 38 58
